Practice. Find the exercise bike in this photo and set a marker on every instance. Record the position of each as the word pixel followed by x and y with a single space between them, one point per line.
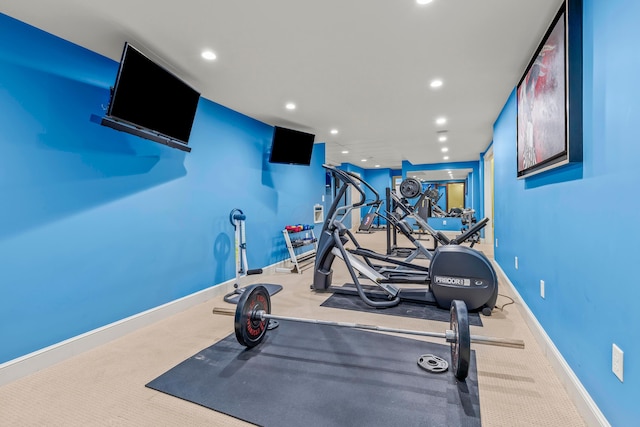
pixel 455 272
pixel 237 219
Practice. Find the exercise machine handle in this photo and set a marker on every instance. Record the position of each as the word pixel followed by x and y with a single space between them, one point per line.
pixel 470 232
pixel 355 181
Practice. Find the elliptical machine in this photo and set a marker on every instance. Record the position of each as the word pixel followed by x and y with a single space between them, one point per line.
pixel 455 272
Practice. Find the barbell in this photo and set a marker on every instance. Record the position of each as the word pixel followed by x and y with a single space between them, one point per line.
pixel 253 313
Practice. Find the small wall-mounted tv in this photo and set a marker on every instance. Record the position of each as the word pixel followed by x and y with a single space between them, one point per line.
pixel 291 147
pixel 149 101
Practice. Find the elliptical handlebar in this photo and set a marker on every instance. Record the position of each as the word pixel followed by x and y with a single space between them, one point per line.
pixel 355 181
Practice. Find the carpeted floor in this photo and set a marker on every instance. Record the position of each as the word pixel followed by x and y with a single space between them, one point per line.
pixel 106 386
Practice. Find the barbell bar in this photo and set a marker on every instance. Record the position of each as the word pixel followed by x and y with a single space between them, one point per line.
pixel 253 312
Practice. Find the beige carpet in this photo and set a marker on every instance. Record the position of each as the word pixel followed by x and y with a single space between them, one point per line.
pixel 106 386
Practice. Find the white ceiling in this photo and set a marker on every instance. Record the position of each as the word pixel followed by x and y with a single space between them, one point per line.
pixel 440 175
pixel 360 66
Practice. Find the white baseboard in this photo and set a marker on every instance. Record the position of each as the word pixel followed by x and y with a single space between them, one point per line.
pixel 48 356
pixel 577 393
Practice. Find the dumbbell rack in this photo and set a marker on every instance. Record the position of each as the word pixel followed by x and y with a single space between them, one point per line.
pixel 302 246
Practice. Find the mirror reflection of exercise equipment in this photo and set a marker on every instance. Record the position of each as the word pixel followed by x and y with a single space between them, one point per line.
pixel 430 204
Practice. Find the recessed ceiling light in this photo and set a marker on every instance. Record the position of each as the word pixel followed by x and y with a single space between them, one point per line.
pixel 345 152
pixel 290 106
pixel 363 160
pixel 436 83
pixel 334 131
pixel 208 55
pixel 442 138
pixel 444 149
pixel 377 166
pixel 441 120
pixel 446 157
pixel 423 1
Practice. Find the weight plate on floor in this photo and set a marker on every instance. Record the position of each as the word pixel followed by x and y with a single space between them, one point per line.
pixel 249 329
pixel 273 324
pixel 433 363
pixel 410 188
pixel 461 345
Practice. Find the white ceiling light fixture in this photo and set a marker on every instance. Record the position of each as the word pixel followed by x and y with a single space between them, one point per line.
pixel 436 83
pixel 377 166
pixel 209 55
pixel 423 2
pixel 442 138
pixel 290 106
pixel 444 149
pixel 345 151
pixel 363 160
pixel 334 131
pixel 441 120
pixel 445 158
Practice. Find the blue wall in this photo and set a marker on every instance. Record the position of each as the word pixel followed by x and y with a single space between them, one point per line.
pixel 380 179
pixel 98 225
pixel 576 227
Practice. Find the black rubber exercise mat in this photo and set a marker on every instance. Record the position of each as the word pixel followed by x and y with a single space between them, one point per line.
pixel 323 376
pixel 404 309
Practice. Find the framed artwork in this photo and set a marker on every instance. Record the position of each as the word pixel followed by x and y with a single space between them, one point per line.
pixel 549 97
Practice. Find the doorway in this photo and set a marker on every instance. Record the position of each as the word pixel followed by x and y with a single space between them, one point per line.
pixel 455 195
pixel 489 196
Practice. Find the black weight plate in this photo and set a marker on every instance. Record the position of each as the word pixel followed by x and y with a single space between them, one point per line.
pixel 249 330
pixel 461 346
pixel 410 188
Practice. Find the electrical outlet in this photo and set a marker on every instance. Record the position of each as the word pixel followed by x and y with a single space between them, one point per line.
pixel 516 263
pixel 542 288
pixel 444 222
pixel 617 362
pixel 496 242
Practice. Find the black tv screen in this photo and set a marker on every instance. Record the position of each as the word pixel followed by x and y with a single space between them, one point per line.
pixel 148 95
pixel 290 146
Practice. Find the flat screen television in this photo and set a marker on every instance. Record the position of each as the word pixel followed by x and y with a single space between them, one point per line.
pixel 291 147
pixel 150 101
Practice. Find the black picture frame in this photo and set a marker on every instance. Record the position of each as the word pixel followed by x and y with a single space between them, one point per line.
pixel 549 97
